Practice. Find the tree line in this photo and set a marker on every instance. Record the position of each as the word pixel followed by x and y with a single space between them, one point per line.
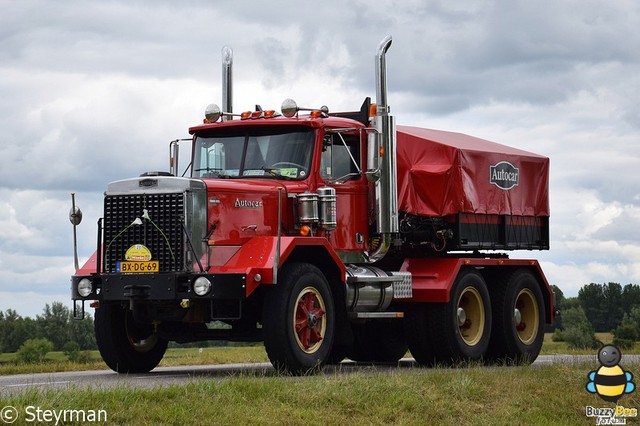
pixel 604 305
pixel 55 324
pixel 598 308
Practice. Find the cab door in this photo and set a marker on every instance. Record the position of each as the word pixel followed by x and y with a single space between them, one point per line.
pixel 342 168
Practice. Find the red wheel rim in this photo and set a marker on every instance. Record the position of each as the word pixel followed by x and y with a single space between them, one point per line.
pixel 309 322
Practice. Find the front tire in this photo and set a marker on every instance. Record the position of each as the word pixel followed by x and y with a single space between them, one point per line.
pixel 298 320
pixel 125 345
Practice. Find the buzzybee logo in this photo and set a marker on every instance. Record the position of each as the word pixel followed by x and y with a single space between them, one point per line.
pixel 504 175
pixel 610 382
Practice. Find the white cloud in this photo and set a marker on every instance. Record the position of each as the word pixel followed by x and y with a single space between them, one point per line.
pixel 29 281
pixel 30 303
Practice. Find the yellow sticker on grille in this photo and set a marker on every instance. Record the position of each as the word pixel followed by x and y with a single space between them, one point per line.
pixel 138 253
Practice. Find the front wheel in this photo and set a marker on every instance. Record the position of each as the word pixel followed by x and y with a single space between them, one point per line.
pixel 126 345
pixel 298 320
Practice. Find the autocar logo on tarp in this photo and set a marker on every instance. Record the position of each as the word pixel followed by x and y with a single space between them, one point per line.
pixel 504 175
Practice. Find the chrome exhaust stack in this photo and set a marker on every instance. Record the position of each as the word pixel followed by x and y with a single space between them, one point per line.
pixel 227 83
pixel 382 159
pixel 387 186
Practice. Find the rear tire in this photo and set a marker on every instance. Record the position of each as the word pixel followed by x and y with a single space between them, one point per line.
pixel 125 345
pixel 298 320
pixel 454 332
pixel 519 313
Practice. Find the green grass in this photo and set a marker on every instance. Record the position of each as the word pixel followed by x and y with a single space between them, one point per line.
pixel 219 355
pixel 476 395
pixel 468 396
pixel 549 347
pixel 57 361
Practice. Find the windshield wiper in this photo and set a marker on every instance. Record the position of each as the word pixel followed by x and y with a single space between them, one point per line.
pixel 213 172
pixel 272 173
pixel 275 173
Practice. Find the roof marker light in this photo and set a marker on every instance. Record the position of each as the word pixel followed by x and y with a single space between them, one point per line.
pixel 245 115
pixel 373 110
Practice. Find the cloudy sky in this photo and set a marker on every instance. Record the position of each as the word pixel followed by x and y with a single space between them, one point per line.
pixel 91 92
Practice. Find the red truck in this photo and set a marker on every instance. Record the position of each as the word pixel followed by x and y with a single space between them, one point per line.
pixel 325 235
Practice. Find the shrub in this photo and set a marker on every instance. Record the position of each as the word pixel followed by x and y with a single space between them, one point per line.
pixel 557 336
pixel 34 350
pixel 84 357
pixel 72 351
pixel 625 335
pixel 623 343
pixel 581 339
pixel 626 331
pixel 578 332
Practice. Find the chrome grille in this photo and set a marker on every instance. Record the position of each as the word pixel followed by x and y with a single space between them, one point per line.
pixel 162 233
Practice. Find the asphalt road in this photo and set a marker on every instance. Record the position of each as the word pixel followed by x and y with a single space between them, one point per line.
pixel 167 376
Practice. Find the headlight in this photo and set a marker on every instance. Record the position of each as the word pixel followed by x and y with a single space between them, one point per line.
pixel 85 287
pixel 201 286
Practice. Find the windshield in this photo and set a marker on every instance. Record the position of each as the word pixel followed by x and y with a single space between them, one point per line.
pixel 275 152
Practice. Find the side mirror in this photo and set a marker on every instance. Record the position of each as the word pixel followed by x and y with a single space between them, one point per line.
pixel 75 215
pixel 174 155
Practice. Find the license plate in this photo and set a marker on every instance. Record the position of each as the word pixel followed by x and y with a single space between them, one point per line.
pixel 138 267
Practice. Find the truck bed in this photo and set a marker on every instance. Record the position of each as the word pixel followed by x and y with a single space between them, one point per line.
pixel 490 195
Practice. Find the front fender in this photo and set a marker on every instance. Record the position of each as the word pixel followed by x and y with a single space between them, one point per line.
pixel 257 258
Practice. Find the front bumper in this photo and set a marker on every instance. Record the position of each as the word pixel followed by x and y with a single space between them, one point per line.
pixel 160 286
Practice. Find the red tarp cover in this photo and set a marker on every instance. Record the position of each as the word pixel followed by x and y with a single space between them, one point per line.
pixel 444 173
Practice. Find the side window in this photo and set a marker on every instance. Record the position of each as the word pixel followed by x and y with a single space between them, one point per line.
pixel 338 156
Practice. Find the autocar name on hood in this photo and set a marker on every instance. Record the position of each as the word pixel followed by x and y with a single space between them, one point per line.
pixel 247 204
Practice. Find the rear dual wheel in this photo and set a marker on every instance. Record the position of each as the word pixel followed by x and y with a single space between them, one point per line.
pixel 519 315
pixel 454 332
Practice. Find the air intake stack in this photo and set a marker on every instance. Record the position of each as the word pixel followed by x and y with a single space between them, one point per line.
pixel 227 82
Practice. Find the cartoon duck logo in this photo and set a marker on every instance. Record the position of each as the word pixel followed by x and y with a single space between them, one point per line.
pixel 610 381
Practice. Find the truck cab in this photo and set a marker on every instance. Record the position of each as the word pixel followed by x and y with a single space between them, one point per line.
pixel 244 162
